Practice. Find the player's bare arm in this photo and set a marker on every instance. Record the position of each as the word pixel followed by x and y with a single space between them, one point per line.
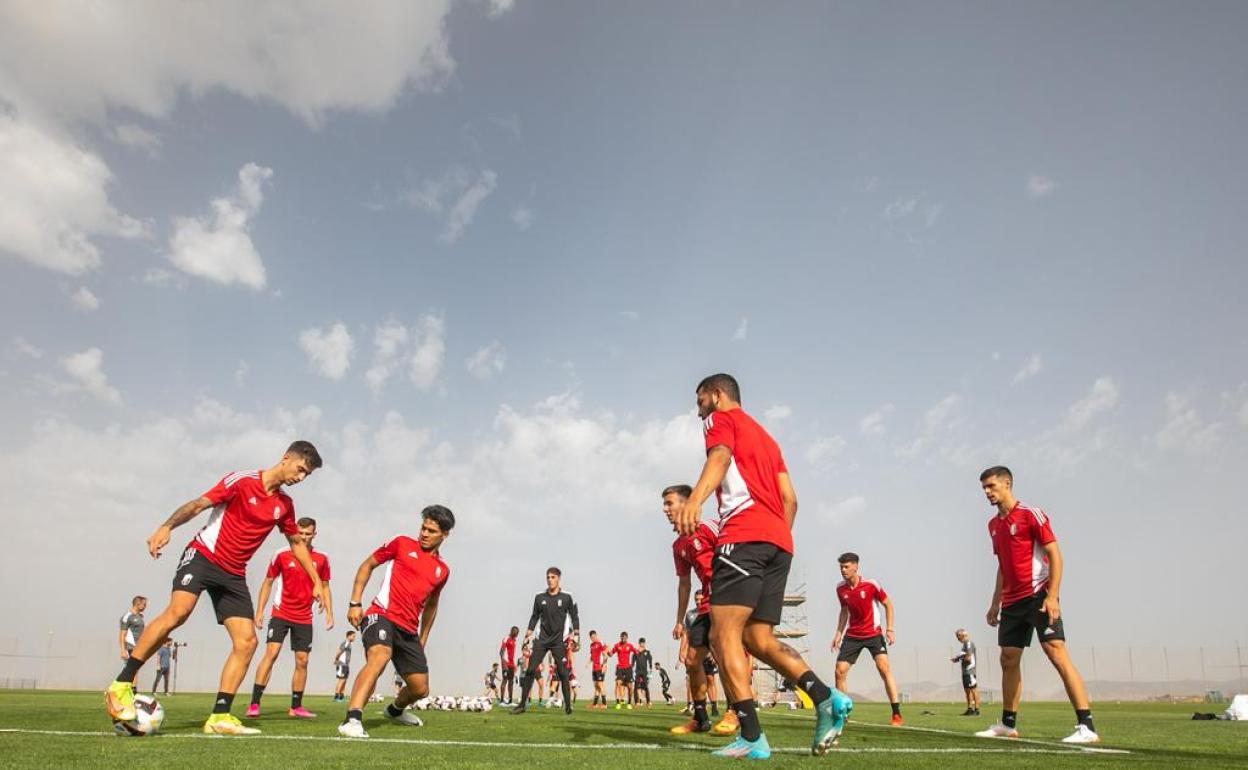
pixel 840 628
pixel 329 608
pixel 888 620
pixel 994 609
pixel 788 497
pixel 299 549
pixel 683 589
pixel 355 613
pixel 263 599
pixel 1052 599
pixel 718 458
pixel 121 643
pixel 184 513
pixel 427 616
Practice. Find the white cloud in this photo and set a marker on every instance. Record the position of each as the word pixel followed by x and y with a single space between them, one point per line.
pixel 329 352
pixel 873 424
pixel 1039 186
pixel 900 208
pixel 1238 401
pixel 487 362
pixel 26 349
pixel 630 315
pixel 743 328
pixel 1101 398
pixel 500 7
pixel 844 510
pixel 219 247
pixel 55 196
pixel 824 452
pixel 138 138
pixel 311 58
pixel 778 412
pixel 523 217
pixel 455 196
pixel 942 416
pixel 1031 367
pixel 389 345
pixel 1184 428
pixel 465 208
pixel 430 348
pixel 241 372
pixel 87 372
pixel 84 300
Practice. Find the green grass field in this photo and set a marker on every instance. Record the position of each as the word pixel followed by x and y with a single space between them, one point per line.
pixel 69 729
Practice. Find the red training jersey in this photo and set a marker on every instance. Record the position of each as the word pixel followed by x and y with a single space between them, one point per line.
pixel 750 507
pixel 292 600
pixel 1018 540
pixel 694 553
pixel 412 576
pixel 864 602
pixel 567 652
pixel 597 655
pixel 623 652
pixel 243 514
pixel 509 646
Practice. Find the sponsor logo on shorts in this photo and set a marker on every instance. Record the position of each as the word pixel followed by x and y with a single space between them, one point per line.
pixel 382 634
pixel 187 578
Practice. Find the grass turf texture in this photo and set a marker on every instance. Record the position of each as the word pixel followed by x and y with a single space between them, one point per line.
pixel 1155 735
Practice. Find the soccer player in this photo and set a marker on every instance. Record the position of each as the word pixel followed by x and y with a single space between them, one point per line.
pixel 162 667
pixel 292 614
pixel 665 683
pixel 1026 597
pixel 597 660
pixel 507 657
pixel 491 681
pixel 554 609
pixel 342 667
pixel 710 669
pixel 398 622
pixel 970 685
pixel 757 506
pixel 860 610
pixel 131 627
pixel 623 652
pixel 643 661
pixel 571 645
pixel 692 553
pixel 246 506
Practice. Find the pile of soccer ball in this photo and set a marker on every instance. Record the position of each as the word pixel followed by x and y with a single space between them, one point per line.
pixel 149 715
pixel 451 703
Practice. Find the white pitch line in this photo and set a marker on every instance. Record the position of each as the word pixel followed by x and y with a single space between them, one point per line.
pixel 1067 746
pixel 521 745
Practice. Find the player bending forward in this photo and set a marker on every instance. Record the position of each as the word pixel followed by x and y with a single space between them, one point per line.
pixel 246 506
pixel 400 618
pixel 1029 579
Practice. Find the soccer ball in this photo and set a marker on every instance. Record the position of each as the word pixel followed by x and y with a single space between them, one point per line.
pixel 149 716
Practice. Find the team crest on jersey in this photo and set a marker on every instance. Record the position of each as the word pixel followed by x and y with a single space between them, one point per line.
pixel 413 554
pixel 277 512
pixel 1013 529
pixel 252 500
pixel 697 544
pixel 559 602
pixel 862 594
pixel 437 573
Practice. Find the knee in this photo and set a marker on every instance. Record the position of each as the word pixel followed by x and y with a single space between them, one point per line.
pixel 301 660
pixel 1011 657
pixel 246 645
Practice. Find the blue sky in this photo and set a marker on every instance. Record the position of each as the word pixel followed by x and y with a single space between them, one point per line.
pixel 481 254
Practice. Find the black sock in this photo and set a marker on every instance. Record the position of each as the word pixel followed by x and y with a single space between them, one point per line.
pixel 394 711
pixel 816 689
pixel 1085 718
pixel 747 716
pixel 257 692
pixel 896 709
pixel 130 669
pixel 699 712
pixel 356 714
pixel 223 703
pixel 715 708
pixel 526 684
pixel 296 699
pixel 1009 718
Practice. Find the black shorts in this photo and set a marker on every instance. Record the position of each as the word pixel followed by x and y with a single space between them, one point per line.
pixel 406 652
pixel 1018 620
pixel 851 648
pixel 341 671
pixel 969 681
pixel 751 575
pixel 642 681
pixel 708 665
pixel 698 633
pixel 599 675
pixel 229 594
pixel 557 650
pixel 624 675
pixel 300 634
pixel 509 673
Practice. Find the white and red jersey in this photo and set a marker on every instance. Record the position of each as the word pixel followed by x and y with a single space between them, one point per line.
pixel 866 609
pixel 411 577
pixel 597 655
pixel 1018 540
pixel 292 598
pixel 243 514
pixel 694 553
pixel 623 652
pixel 508 646
pixel 750 507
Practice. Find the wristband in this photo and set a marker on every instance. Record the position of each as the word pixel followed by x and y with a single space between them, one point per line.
pixel 354 604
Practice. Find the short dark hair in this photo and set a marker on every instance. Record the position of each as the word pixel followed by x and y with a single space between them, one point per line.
pixel 849 557
pixel 515 630
pixel 997 470
pixel 641 640
pixel 724 383
pixel 306 521
pixel 441 515
pixel 138 599
pixel 308 452
pixel 350 633
pixel 593 633
pixel 684 490
pixel 554 571
pixel 623 633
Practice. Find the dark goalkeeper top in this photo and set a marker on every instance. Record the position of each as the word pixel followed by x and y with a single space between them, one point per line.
pixel 642 663
pixel 552 612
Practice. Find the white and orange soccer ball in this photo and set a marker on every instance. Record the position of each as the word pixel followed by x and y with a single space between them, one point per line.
pixel 149 716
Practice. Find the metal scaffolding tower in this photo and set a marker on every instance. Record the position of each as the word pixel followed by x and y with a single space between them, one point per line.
pixel 793 630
